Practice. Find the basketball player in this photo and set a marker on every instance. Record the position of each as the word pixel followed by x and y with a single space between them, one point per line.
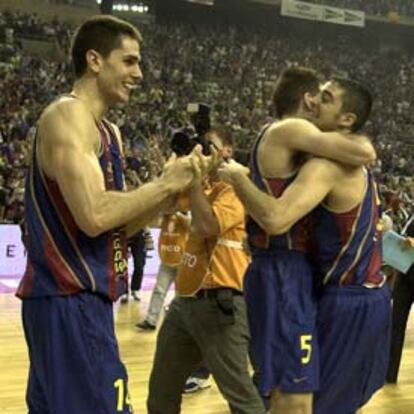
pixel 78 220
pixel 279 287
pixel 354 309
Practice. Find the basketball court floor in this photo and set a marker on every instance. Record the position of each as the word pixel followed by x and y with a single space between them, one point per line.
pixel 137 349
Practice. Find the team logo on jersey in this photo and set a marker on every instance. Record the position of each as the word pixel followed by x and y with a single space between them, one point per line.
pixel 120 262
pixel 110 172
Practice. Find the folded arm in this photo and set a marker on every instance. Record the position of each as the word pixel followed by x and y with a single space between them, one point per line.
pixel 355 150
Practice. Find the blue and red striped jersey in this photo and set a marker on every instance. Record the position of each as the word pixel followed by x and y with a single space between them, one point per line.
pixel 349 245
pixel 297 238
pixel 63 260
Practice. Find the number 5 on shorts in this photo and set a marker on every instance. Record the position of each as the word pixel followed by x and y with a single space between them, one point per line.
pixel 306 346
pixel 122 398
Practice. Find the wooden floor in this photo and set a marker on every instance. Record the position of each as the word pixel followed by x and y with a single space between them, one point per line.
pixel 137 351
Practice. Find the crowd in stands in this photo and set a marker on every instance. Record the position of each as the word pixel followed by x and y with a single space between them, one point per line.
pixel 232 70
pixel 372 7
pixel 29 25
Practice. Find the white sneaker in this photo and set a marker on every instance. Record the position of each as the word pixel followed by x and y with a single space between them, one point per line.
pixel 135 295
pixel 124 298
pixel 194 384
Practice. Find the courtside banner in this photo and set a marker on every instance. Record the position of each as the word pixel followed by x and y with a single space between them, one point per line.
pixel 319 12
pixel 13 255
pixel 301 10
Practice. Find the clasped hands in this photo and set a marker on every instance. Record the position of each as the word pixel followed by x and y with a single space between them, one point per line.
pixel 187 171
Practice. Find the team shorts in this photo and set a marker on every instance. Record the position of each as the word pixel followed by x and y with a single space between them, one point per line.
pixel 354 338
pixel 281 307
pixel 75 365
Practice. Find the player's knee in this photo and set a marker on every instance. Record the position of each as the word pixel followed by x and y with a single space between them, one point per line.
pixel 291 403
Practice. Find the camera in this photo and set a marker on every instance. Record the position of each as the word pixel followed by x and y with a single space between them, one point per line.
pixel 185 139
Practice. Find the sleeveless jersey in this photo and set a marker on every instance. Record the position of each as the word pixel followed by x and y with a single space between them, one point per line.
pixel 349 245
pixel 298 236
pixel 63 260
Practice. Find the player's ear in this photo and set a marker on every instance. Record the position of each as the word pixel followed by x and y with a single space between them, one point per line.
pixel 94 60
pixel 347 120
pixel 310 102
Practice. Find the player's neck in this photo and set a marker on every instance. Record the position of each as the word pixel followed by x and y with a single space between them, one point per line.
pixel 300 113
pixel 345 131
pixel 87 91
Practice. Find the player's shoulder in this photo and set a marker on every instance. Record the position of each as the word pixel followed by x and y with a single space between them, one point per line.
pixel 289 126
pixel 66 110
pixel 66 118
pixel 293 124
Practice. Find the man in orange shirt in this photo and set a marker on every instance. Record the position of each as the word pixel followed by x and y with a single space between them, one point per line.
pixel 207 319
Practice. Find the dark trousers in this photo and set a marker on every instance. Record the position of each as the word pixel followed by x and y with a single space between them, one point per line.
pixel 137 246
pixel 193 331
pixel 403 296
pixel 201 372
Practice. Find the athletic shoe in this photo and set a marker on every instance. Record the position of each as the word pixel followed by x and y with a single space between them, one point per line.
pixel 124 298
pixel 194 384
pixel 146 326
pixel 135 295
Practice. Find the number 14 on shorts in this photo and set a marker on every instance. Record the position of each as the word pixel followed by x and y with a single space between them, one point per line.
pixel 306 347
pixel 123 400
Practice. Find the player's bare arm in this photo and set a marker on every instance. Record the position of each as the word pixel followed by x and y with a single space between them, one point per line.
pixel 69 141
pixel 277 215
pixel 302 135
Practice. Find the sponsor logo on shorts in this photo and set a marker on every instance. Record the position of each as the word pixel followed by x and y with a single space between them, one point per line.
pixel 299 380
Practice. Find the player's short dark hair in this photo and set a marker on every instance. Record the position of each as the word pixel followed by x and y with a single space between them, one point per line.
pixel 291 86
pixel 102 33
pixel 357 99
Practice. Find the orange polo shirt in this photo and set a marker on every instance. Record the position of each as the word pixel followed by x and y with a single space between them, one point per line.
pixel 219 261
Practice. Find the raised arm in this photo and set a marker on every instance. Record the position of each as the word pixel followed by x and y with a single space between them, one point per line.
pixel 68 148
pixel 204 221
pixel 277 215
pixel 355 150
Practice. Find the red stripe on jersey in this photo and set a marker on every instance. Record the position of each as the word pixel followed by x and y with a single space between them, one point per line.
pixel 26 286
pixel 63 278
pixel 346 223
pixel 374 275
pixel 276 186
pixel 62 209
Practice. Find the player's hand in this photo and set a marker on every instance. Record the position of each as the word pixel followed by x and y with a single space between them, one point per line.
pixel 231 169
pixel 204 165
pixel 407 243
pixel 178 172
pixel 385 223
